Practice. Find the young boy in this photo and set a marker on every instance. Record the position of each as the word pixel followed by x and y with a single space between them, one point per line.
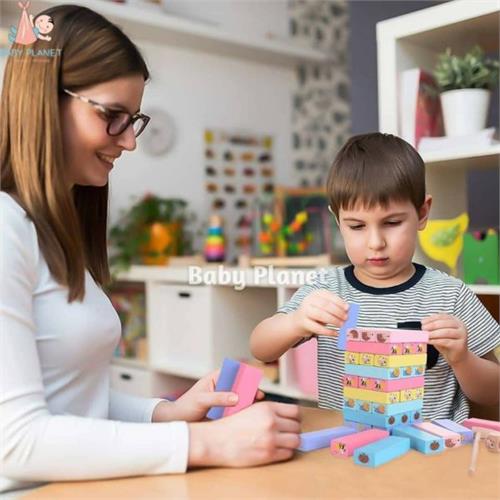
pixel 376 190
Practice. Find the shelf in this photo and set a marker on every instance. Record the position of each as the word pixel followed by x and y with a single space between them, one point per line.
pixel 485 289
pixel 458 24
pixel 155 25
pixel 471 158
pixel 129 362
pixel 283 390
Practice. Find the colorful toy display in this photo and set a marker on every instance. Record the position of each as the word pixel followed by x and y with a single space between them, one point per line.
pixel 240 378
pixel 442 240
pixel 481 257
pixel 214 250
pixel 274 237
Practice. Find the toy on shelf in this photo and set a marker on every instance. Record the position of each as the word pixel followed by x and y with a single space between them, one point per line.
pixel 481 257
pixel 214 249
pixel 240 378
pixel 274 237
pixel 442 240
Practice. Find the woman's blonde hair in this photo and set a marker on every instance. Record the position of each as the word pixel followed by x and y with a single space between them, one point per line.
pixel 71 224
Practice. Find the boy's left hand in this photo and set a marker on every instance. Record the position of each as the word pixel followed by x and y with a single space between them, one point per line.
pixel 448 335
pixel 194 404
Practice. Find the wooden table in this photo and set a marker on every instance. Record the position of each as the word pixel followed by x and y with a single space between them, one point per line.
pixel 309 475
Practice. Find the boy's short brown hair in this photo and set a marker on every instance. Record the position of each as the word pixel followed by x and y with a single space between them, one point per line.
pixel 375 169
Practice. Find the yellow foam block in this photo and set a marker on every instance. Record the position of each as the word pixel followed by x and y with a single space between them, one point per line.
pixel 395 361
pixel 366 358
pixel 375 396
pixel 352 358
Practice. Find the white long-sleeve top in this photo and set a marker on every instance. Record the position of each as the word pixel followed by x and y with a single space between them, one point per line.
pixel 59 420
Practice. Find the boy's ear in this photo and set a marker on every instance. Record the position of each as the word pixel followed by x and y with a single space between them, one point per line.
pixel 423 213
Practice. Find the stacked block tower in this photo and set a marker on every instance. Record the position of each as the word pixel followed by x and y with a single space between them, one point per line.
pixel 384 377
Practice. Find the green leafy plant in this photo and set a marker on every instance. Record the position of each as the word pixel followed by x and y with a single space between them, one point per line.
pixel 132 234
pixel 472 71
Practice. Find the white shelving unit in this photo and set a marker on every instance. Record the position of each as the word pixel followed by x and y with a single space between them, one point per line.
pixel 415 40
pixel 151 23
pixel 190 328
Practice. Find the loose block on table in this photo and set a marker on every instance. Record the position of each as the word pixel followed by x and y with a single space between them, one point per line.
pixel 382 451
pixel 344 446
pixel 420 440
pixel 467 434
pixel 480 422
pixel 451 439
pixel 316 440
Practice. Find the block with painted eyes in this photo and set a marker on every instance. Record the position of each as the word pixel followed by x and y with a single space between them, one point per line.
pixel 350 381
pixel 352 358
pixel 492 442
pixel 366 359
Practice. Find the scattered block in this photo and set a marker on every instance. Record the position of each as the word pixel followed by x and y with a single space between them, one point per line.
pixel 316 440
pixel 420 440
pixel 382 451
pixel 358 426
pixel 451 439
pixel 346 445
pixel 467 434
pixel 480 422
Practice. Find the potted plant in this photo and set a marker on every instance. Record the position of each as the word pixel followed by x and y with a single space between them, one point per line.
pixel 149 233
pixel 465 83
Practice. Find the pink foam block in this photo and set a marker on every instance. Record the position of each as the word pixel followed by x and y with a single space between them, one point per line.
pixel 374 347
pixel 395 385
pixel 480 422
pixel 451 439
pixel 245 385
pixel 387 335
pixel 346 445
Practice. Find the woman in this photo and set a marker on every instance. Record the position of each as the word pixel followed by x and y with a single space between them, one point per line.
pixel 66 119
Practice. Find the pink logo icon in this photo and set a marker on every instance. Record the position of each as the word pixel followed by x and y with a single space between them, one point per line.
pixel 30 29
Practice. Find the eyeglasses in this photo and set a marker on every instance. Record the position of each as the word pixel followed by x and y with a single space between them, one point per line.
pixel 118 120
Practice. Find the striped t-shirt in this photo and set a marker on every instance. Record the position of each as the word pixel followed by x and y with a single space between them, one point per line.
pixel 427 292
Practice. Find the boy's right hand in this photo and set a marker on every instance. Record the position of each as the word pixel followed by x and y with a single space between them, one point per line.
pixel 317 310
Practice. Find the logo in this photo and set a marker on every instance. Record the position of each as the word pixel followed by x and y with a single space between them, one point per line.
pixel 30 29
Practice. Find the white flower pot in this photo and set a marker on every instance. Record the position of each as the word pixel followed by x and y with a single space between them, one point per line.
pixel 465 110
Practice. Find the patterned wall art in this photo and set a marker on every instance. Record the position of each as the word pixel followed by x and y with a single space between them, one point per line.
pixel 239 169
pixel 321 120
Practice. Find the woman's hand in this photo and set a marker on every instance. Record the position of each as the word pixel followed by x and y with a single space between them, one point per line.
pixel 194 404
pixel 263 433
pixel 448 335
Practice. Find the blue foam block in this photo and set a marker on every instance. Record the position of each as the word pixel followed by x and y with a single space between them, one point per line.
pixel 225 382
pixel 352 319
pixel 380 372
pixel 420 440
pixel 382 451
pixel 377 420
pixel 321 439
pixel 467 434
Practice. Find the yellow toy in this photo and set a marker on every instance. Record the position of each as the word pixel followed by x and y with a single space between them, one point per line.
pixel 443 240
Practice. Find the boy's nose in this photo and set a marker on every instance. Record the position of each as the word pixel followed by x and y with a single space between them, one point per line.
pixel 375 240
